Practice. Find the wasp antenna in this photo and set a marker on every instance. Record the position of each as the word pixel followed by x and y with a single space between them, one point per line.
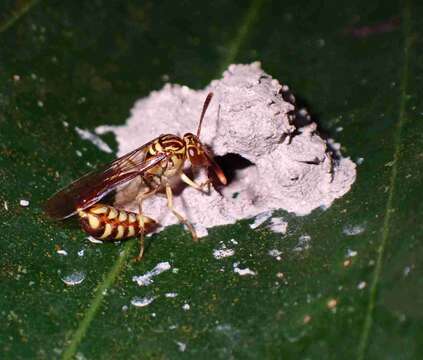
pixel 205 106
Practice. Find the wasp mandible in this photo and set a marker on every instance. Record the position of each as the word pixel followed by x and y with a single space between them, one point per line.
pixel 156 163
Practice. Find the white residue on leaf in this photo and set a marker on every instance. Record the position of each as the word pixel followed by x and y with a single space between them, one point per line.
pixel 74 279
pixel 359 161
pixel 171 295
pixel 351 253
pixel 361 285
pixel 81 253
pixel 223 252
pixel 94 240
pixel 278 225
pixel 352 230
pixel 233 241
pixel 303 243
pixel 275 253
pixel 260 219
pixel 24 203
pixel 5 205
pixel 186 307
pixel 94 139
pixel 243 272
pixel 142 301
pixel 147 278
pixel 181 346
pixel 62 252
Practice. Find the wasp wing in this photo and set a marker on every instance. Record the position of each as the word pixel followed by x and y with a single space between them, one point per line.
pixel 90 188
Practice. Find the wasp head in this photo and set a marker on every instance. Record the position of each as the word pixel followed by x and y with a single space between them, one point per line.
pixel 199 156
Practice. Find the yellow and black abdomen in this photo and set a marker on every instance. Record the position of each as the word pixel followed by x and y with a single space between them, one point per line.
pixel 105 222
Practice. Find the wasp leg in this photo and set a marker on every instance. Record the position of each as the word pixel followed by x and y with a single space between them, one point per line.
pixel 141 224
pixel 193 184
pixel 181 219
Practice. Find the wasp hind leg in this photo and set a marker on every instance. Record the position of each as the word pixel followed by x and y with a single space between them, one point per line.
pixel 181 219
pixel 141 222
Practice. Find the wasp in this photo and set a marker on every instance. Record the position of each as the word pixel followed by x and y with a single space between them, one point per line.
pixel 156 163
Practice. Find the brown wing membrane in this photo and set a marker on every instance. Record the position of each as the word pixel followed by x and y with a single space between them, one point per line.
pixel 90 188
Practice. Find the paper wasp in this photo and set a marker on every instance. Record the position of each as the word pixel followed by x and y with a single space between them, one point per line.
pixel 156 162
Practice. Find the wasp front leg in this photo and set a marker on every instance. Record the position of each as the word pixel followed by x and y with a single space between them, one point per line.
pixel 199 187
pixel 181 219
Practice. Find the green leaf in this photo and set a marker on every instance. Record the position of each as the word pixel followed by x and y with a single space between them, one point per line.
pixel 356 65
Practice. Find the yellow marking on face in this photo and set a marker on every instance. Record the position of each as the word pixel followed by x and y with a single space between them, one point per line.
pixel 131 231
pixel 120 232
pixel 123 216
pixel 99 209
pixel 93 221
pixel 132 218
pixel 113 213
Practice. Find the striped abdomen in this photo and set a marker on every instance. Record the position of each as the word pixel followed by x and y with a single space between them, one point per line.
pixel 105 222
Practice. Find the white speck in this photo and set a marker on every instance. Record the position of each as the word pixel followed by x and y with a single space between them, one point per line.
pixel 95 140
pixel 62 252
pixel 182 347
pixel 339 129
pixel 260 219
pixel 276 254
pixel 278 225
pixel 81 100
pixel 359 161
pixel 40 103
pixel 80 356
pixel 361 285
pixel 352 230
pixel 65 123
pixel 351 253
pixel 321 42
pixel 16 77
pixel 33 76
pixel 223 252
pixel 24 203
pixel 94 240
pixel 303 243
pixel 141 302
pixel 171 295
pixel 407 270
pixel 186 307
pixel 165 77
pixel 74 279
pixel 243 272
pixel 153 315
pixel 125 308
pixel 175 270
pixel 233 241
pixel 6 206
pixel 147 278
pixel 78 153
pixel 81 253
pixel 104 292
